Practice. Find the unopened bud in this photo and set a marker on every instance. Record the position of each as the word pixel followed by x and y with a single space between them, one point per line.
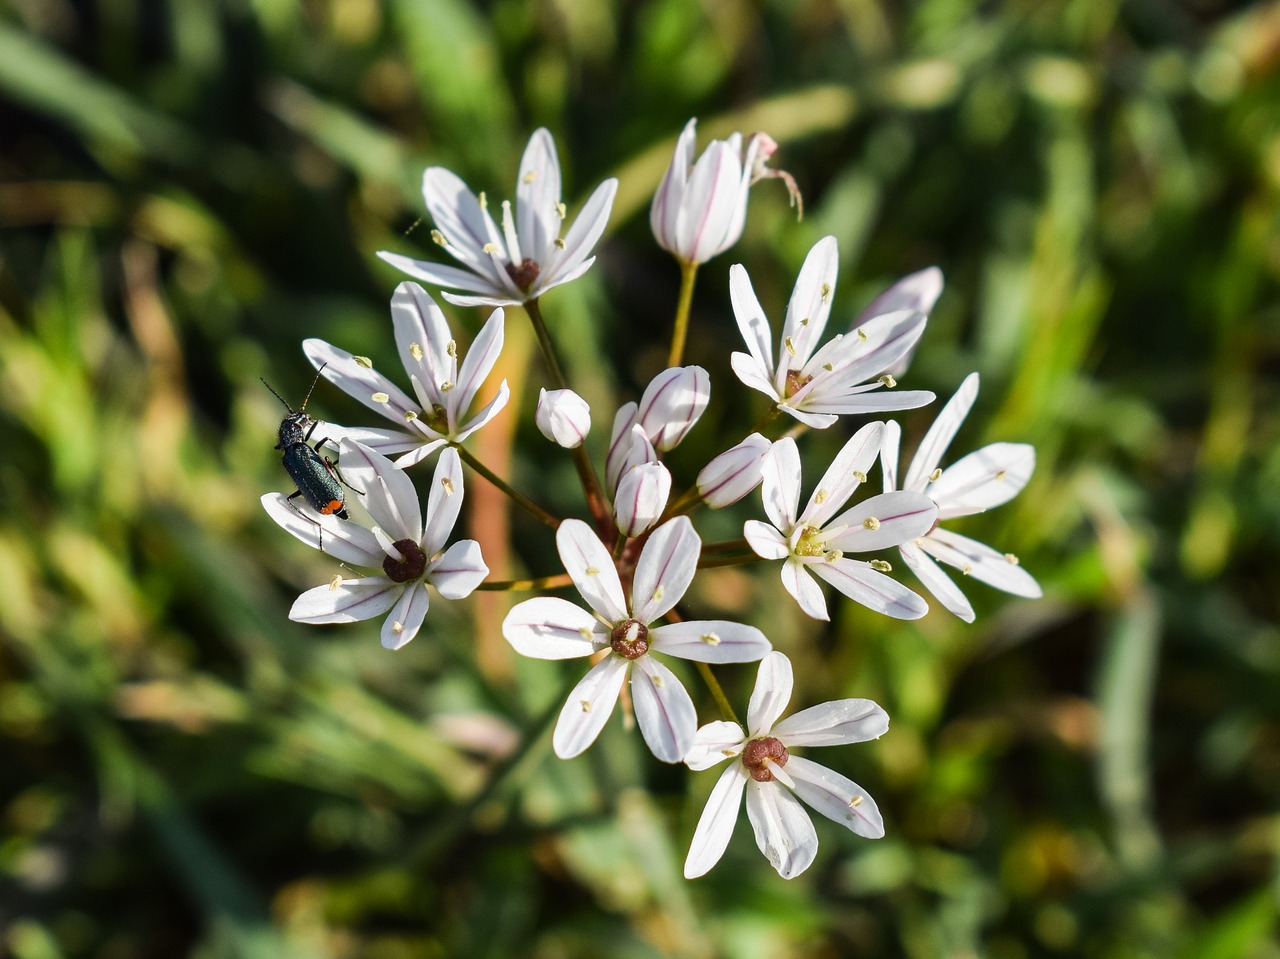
pixel 672 403
pixel 734 473
pixel 642 495
pixel 563 417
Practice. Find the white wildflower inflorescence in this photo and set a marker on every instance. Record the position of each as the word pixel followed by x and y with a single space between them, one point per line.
pixel 648 621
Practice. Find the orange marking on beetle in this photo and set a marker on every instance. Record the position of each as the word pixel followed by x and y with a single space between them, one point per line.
pixel 331 507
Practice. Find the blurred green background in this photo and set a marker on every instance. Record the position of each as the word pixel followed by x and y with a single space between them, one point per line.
pixel 190 187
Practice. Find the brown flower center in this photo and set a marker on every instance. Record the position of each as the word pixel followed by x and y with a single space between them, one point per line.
pixel 630 639
pixel 438 419
pixel 795 382
pixel 411 565
pixel 524 274
pixel 757 751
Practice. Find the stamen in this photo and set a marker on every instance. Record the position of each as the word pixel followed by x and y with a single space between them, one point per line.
pixel 888 382
pixel 933 477
pixel 592 571
pixel 363 361
pixel 820 497
pixel 586 632
pixel 447 484
pixel 805 321
pixel 835 555
pixel 586 705
pixel 828 367
pixel 880 566
pixel 439 238
pixel 415 350
pixel 484 200
pixel 711 639
pixel 491 248
pixel 862 334
pixel 855 802
pixel 790 345
pixel 826 291
pixel 966 569
pixel 559 243
pixel 452 349
pixel 657 594
pixel 530 176
pixel 1011 559
pixel 397 627
pixel 562 209
pixel 446 386
pixel 509 231
pixel 1001 475
pixel 871 523
pixel 410 415
pixel 380 398
pixel 860 476
pixel 335 583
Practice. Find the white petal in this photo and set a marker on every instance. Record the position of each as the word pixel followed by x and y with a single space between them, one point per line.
pixel 809 307
pixel 708 200
pixel 346 601
pixel 780 484
pixel 591 568
pixel 940 434
pixel 715 826
pixel 588 227
pixel 846 473
pixel 340 538
pixel 444 501
pixel 751 321
pixel 765 541
pixel 514 299
pixel 865 401
pixel 441 275
pixel 388 442
pixel 770 695
pixel 714 743
pixel 749 372
pixel 833 724
pixel 936 581
pixel 552 628
pixel 664 710
pixel 871 588
pixel 422 335
pixel 360 382
pixel 405 618
pixel 673 403
pixel 457 573
pixel 665 569
pixel 884 521
pixel 486 414
pixel 619 444
pixel 417 455
pixel 815 421
pixel 734 473
pixel 475 368
pixel 386 492
pixel 889 455
pixel 537 195
pixel 588 707
pixel 805 590
pixel 563 417
pixel 784 832
pixel 980 562
pixel 839 799
pixel 466 225
pixel 984 479
pixel 919 292
pixel 670 193
pixel 871 349
pixel 710 641
pixel 642 497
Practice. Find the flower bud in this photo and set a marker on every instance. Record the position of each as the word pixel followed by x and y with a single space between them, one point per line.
pixel 700 208
pixel 673 403
pixel 619 444
pixel 563 417
pixel 734 473
pixel 642 496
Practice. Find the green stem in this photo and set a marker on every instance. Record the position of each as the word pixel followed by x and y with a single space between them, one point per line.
pixel 717 693
pixel 729 561
pixel 729 546
pixel 537 582
pixel 518 497
pixel 688 273
pixel 581 461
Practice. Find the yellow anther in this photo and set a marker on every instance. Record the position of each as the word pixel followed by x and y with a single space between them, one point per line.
pixel 530 176
pixel 380 398
pixel 888 382
pixel 933 477
pixel 484 200
pixel 862 334
pixel 592 571
pixel 490 248
pixel 335 583
pixel 657 594
pixel 446 386
pixel 820 497
pixel 828 367
pixel 415 350
pixel 791 347
pixel 860 476
pixel 363 361
pixel 439 238
pixel 1011 559
pixel 805 321
pixel 397 627
pixel 1000 476
pixel 562 209
pixel 711 639
pixel 659 681
pixel 559 243
pixel 855 802
pixel 452 349
pixel 966 569
pixel 586 705
pixel 880 566
pixel 826 291
pixel 871 523
pixel 586 632
pixel 447 484
pixel 834 555
pixel 410 415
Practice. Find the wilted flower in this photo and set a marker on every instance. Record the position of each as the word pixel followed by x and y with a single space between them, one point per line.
pixel 700 208
pixel 815 542
pixel 772 777
pixel 444 390
pixel 985 478
pixel 563 417
pixel 734 473
pixel 528 256
pixel 814 385
pixel 551 628
pixel 407 549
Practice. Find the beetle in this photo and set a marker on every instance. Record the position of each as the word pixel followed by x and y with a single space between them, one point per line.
pixel 316 476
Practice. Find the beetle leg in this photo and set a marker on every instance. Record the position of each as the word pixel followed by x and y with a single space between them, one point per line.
pixel 289 499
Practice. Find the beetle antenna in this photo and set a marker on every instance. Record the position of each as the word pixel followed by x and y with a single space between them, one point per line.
pixel 313 386
pixel 277 395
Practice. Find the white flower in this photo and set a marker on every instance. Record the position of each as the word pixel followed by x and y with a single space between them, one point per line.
pixel 642 495
pixel 551 628
pixel 563 417
pixel 985 478
pixel 670 407
pixel 917 292
pixel 528 256
pixel 405 548
pixel 700 208
pixel 444 390
pixel 816 385
pixel 734 473
pixel 814 542
pixel 773 778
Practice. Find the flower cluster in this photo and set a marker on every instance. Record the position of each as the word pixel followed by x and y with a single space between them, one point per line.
pixel 635 552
